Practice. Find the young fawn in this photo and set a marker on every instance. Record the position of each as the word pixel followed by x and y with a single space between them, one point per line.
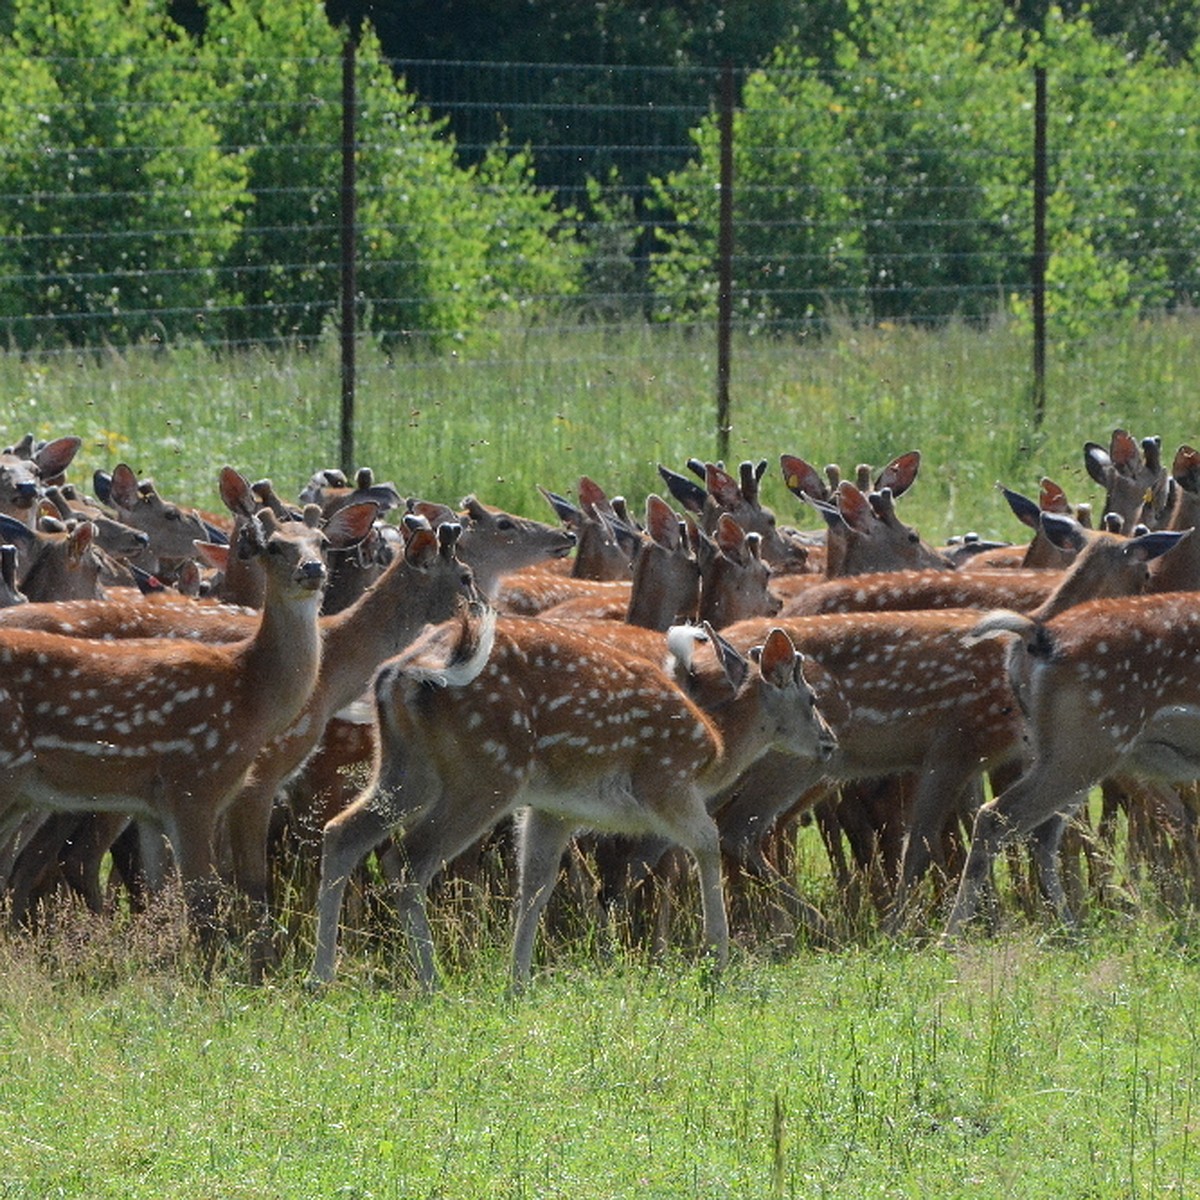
pixel 519 713
pixel 165 730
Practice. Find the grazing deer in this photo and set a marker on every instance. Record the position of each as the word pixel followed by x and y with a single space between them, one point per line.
pixel 1109 689
pixel 521 713
pixel 165 730
pixel 26 469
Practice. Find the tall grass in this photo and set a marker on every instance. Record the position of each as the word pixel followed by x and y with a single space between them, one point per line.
pixel 547 408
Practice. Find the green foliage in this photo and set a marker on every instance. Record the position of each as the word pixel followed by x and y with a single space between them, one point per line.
pixel 170 186
pixel 794 207
pixel 900 184
pixel 121 201
pixel 1123 213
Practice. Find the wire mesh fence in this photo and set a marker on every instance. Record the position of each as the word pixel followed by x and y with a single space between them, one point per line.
pixel 506 212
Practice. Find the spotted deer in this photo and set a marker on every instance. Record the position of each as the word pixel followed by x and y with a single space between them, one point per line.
pixel 1109 689
pixel 739 498
pixel 518 713
pixel 1136 486
pixel 423 585
pixel 917 701
pixel 60 565
pixel 165 730
pixel 26 469
pixel 172 530
pixel 495 543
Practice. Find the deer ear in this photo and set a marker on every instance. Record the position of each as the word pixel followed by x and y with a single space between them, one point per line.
pixel 1065 532
pixel 802 479
pixel 1186 469
pixel 14 531
pixel 235 490
pixel 1024 509
pixel 662 524
pixel 123 487
pixel 855 509
pixel 55 457
pixel 349 525
pixel 80 538
pixel 1051 497
pixel 900 473
pixel 214 555
pixel 736 667
pixel 421 549
pixel 777 663
pixel 1098 462
pixel 1149 546
pixel 691 495
pixel 730 536
pixel 722 486
pixel 1123 450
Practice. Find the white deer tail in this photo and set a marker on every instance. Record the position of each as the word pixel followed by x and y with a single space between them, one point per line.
pixel 999 623
pixel 468 658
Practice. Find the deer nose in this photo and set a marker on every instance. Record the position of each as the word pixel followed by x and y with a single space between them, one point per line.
pixel 311 574
pixel 26 493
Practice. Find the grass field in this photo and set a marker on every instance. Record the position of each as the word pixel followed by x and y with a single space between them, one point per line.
pixel 1019 1066
pixel 1011 1069
pixel 546 409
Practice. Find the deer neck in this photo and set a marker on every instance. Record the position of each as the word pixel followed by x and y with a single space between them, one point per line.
pixel 737 725
pixel 282 658
pixel 381 623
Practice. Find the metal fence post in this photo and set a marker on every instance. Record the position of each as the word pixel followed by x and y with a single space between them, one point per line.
pixel 348 251
pixel 725 263
pixel 1038 265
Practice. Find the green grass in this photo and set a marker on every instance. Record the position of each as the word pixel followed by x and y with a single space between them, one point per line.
pixel 1009 1069
pixel 544 408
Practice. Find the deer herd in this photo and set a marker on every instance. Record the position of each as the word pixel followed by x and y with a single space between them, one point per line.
pixel 358 673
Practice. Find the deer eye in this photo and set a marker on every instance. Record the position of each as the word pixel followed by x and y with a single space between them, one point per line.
pixel 504 524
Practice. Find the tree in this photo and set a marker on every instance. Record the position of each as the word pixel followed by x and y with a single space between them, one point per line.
pixel 123 202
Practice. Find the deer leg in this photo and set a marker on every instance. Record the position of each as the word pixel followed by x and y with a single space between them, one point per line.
pixel 691 827
pixel 410 864
pixel 542 840
pixel 248 822
pixel 347 840
pixel 1047 843
pixel 1045 790
pixel 941 786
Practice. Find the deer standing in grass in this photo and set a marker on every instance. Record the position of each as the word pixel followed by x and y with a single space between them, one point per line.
pixel 524 714
pixel 165 730
pixel 1109 688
